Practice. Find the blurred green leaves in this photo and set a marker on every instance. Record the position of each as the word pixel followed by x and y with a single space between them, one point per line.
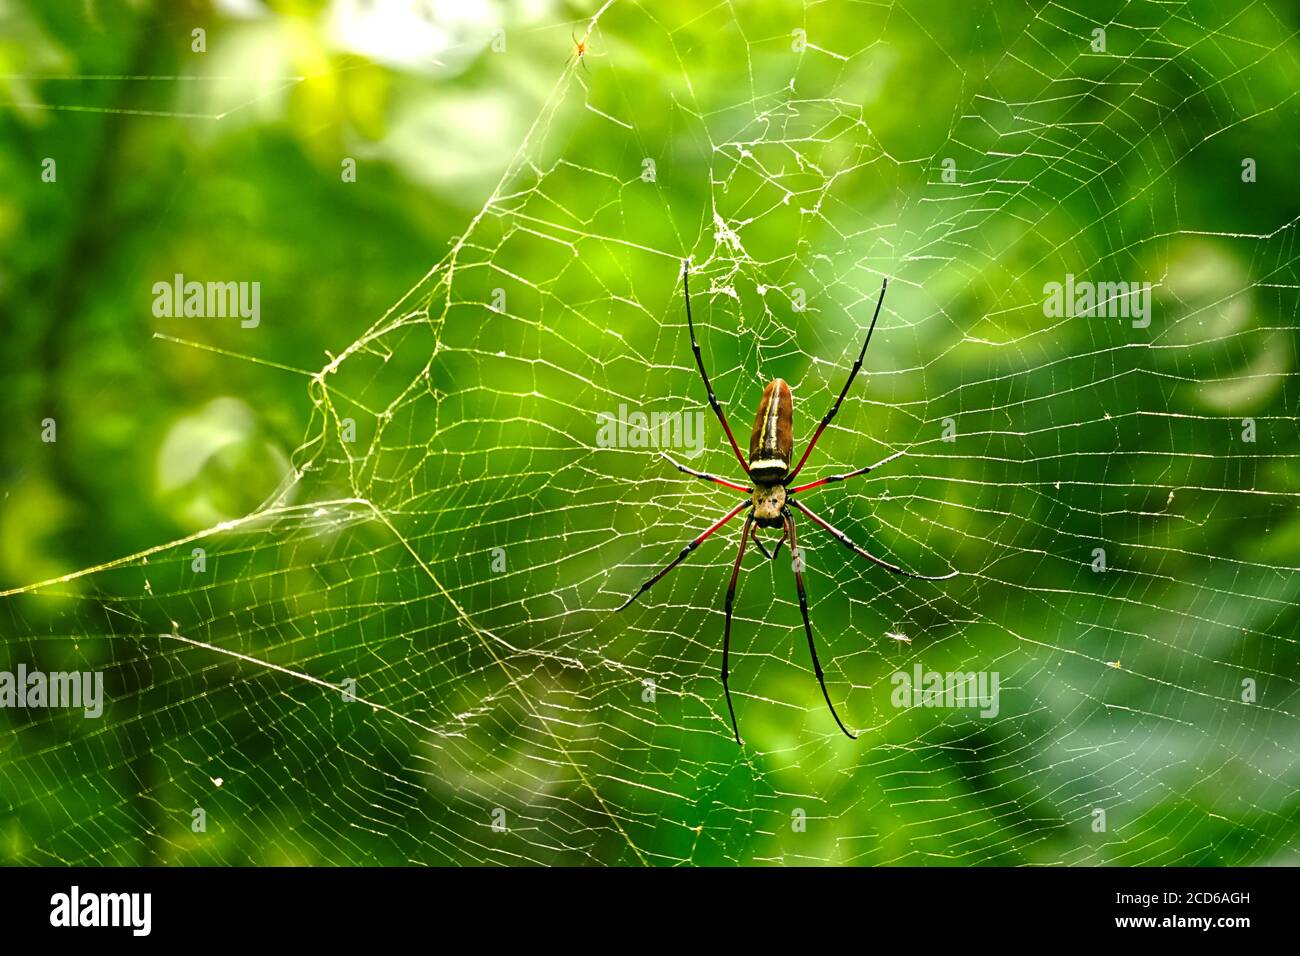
pixel 789 175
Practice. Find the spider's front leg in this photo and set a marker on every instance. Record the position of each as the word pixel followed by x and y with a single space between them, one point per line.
pixel 699 363
pixel 845 390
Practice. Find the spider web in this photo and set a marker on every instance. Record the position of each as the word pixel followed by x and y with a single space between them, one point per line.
pixel 506 715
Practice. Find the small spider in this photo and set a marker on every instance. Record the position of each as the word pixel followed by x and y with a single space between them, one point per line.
pixel 579 50
pixel 771 448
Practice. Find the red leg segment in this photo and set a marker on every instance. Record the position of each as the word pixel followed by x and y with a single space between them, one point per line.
pixel 686 551
pixel 852 374
pixel 699 361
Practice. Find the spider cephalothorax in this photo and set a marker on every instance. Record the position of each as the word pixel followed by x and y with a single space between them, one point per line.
pixel 769 506
pixel 771 448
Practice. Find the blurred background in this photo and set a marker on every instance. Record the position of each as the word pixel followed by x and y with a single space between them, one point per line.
pixel 467 235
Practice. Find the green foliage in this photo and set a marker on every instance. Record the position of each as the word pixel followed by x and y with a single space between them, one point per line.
pixel 789 176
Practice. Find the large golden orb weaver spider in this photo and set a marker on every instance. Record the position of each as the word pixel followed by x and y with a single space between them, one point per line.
pixel 771 449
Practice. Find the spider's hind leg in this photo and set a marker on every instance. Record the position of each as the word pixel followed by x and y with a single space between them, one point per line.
pixel 807 624
pixel 726 633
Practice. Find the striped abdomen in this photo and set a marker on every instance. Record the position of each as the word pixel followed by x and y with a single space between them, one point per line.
pixel 771 444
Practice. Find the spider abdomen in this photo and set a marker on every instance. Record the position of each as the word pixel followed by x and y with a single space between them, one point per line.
pixel 772 444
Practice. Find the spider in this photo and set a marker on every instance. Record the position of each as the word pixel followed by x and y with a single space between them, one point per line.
pixel 579 50
pixel 771 448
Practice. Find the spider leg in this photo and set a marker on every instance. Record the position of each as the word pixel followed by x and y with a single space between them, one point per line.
pixel 843 539
pixel 695 543
pixel 707 477
pixel 775 551
pixel 844 391
pixel 699 361
pixel 807 624
pixel 726 632
pixel 852 474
